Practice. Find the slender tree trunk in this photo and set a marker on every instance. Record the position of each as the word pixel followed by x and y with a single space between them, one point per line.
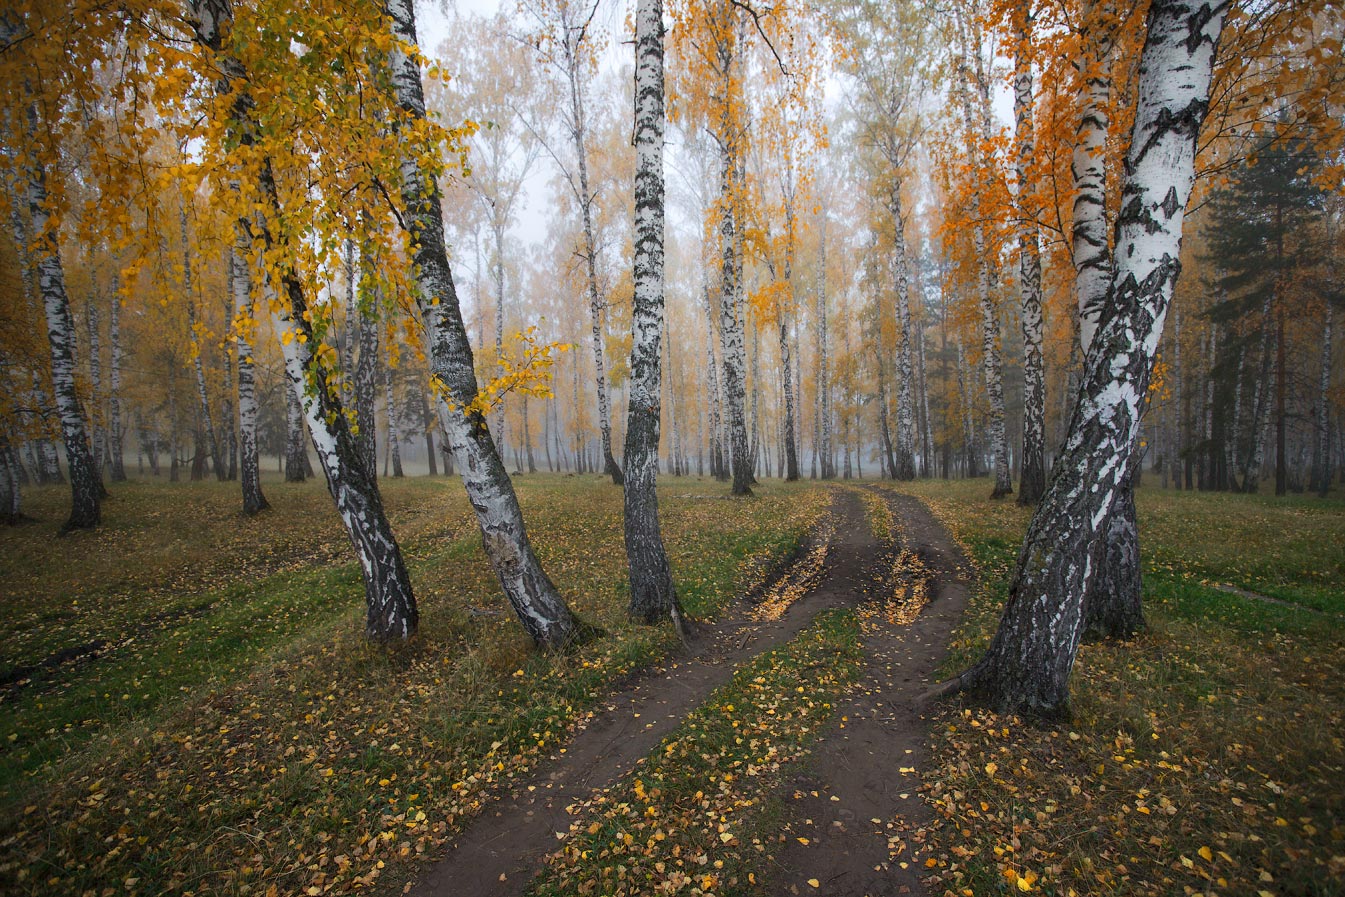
pixel 904 468
pixel 1281 467
pixel 1321 454
pixel 888 454
pixel 394 431
pixel 254 501
pixel 754 441
pixel 366 390
pixel 202 396
pixel 428 423
pixel 1032 480
pixel 117 435
pixel 1251 474
pixel 93 320
pixel 86 485
pixel 1029 661
pixel 822 412
pixel 652 596
pixel 791 450
pixel 533 596
pixel 990 331
pixel 11 495
pixel 732 312
pixel 294 439
pixel 230 449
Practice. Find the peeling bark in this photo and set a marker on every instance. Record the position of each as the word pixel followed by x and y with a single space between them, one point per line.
pixel 652 596
pixel 1028 664
pixel 531 593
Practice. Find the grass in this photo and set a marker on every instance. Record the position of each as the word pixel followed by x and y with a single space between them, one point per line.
pixel 1205 756
pixel 696 814
pixel 237 735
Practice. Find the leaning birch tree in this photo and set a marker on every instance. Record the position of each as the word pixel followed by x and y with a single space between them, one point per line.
pixel 1027 667
pixel 534 598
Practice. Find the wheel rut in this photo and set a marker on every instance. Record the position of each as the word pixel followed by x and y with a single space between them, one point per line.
pixel 502 849
pixel 857 807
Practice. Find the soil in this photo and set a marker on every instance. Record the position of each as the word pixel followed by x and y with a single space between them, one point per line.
pixel 857 763
pixel 858 806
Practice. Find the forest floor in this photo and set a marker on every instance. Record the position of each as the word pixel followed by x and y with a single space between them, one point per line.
pixel 187 705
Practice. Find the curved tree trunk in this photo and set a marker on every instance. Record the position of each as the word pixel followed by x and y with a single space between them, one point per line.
pixel 86 485
pixel 1027 666
pixel 531 593
pixel 389 601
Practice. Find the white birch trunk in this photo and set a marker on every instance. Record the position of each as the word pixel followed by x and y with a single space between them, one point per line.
pixel 533 596
pixel 254 501
pixel 1032 480
pixel 86 484
pixel 1029 661
pixel 652 597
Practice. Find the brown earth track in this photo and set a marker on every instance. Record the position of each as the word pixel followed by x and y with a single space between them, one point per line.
pixel 866 767
pixel 502 849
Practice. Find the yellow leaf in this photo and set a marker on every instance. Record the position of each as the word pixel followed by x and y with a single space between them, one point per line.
pixel 1206 854
pixel 812 882
pixel 991 769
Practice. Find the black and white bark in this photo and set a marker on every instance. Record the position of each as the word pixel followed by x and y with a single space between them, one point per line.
pixel 1032 479
pixel 86 484
pixel 394 431
pixel 390 604
pixel 228 422
pixel 1028 664
pixel 366 388
pixel 904 461
pixel 240 283
pixel 978 129
pixel 47 461
pixel 652 596
pixel 1112 607
pixel 296 451
pixel 531 593
pixel 718 463
pixel 732 326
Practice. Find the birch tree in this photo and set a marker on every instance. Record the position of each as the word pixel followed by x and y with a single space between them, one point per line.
pixel 535 599
pixel 1027 666
pixel 652 596
pixel 391 611
pixel 568 44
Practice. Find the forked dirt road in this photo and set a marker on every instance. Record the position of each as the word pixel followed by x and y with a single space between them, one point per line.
pixel 910 590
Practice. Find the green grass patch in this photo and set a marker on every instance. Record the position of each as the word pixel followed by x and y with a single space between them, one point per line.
pixel 691 815
pixel 1177 774
pixel 261 741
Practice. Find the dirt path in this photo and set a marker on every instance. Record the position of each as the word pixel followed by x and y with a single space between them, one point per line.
pixel 501 850
pixel 857 807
